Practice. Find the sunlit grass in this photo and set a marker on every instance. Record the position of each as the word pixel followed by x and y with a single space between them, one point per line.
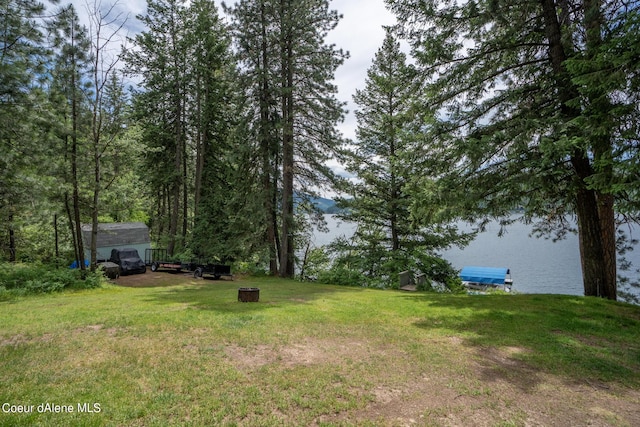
pixel 306 353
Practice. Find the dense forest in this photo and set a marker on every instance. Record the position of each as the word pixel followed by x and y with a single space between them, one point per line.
pixel 215 127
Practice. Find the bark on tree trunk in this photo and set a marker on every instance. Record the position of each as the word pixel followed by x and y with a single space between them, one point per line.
pixel 602 150
pixel 608 237
pixel 176 184
pixel 269 155
pixel 201 139
pixel 286 241
pixel 94 216
pixel 74 176
pixel 591 254
pixel 596 225
pixel 67 206
pixel 12 237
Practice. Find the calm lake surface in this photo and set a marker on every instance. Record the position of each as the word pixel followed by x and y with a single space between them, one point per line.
pixel 537 265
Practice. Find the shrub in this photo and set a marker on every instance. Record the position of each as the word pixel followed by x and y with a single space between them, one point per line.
pixel 340 275
pixel 454 285
pixel 249 268
pixel 22 279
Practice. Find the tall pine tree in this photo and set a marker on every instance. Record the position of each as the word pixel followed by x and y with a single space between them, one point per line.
pixel 386 242
pixel 533 110
pixel 220 221
pixel 253 30
pixel 21 59
pixel 160 58
pixel 289 70
pixel 71 89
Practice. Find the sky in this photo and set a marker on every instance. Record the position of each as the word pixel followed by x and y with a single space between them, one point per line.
pixel 360 33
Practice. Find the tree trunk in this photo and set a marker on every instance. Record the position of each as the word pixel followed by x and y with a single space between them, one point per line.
pixel 96 126
pixel 286 241
pixel 12 237
pixel 201 141
pixel 596 227
pixel 74 170
pixel 269 155
pixel 591 254
pixel 269 204
pixel 67 206
pixel 176 185
pixel 608 238
pixel 185 191
pixel 94 216
pixel 394 194
pixel 76 208
pixel 600 105
pixel 55 230
pixel 175 206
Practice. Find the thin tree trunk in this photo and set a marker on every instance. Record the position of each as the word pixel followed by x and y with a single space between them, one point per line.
pixel 12 237
pixel 67 206
pixel 74 168
pixel 185 191
pixel 55 228
pixel 94 216
pixel 176 185
pixel 286 242
pixel 395 191
pixel 201 140
pixel 96 125
pixel 269 163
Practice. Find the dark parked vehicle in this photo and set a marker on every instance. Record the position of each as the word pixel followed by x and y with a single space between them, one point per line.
pixel 128 260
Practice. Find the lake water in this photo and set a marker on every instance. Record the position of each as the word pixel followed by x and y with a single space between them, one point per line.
pixel 537 265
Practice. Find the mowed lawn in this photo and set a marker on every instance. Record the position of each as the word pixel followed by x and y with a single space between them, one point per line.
pixel 166 349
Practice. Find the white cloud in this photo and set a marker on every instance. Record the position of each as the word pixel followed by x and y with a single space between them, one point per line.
pixel 361 33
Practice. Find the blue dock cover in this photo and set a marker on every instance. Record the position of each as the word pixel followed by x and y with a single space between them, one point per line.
pixel 485 275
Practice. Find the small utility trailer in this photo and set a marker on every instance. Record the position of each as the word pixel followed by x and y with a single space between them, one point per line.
pixel 158 259
pixel 214 270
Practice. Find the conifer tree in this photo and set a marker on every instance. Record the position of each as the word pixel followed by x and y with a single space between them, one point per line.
pixel 21 58
pixel 386 241
pixel 160 59
pixel 289 71
pixel 534 103
pixel 220 220
pixel 254 34
pixel 70 91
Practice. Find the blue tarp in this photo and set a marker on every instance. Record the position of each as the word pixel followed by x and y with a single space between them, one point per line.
pixel 484 275
pixel 76 264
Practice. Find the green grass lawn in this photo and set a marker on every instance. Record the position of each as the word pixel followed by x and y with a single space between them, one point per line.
pixel 185 352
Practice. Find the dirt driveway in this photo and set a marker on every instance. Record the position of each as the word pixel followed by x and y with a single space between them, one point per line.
pixel 162 278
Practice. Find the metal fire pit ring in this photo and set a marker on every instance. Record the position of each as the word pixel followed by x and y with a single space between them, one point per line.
pixel 248 294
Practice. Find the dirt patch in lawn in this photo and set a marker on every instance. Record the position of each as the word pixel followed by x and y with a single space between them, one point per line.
pixel 492 388
pixel 481 387
pixel 311 351
pixel 19 339
pixel 152 279
pixel 161 278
